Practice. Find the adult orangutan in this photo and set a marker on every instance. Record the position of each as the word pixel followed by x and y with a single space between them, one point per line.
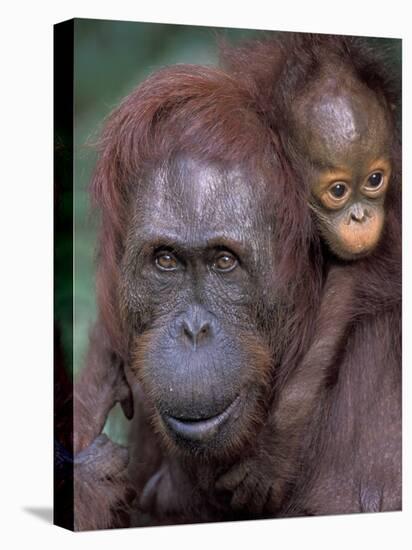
pixel 266 377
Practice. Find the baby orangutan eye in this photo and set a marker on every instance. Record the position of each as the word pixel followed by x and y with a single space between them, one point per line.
pixel 225 262
pixel 166 261
pixel 338 190
pixel 375 180
pixel 336 195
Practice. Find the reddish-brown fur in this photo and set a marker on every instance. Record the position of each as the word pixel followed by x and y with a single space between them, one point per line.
pixel 349 376
pixel 276 72
pixel 148 127
pixel 88 466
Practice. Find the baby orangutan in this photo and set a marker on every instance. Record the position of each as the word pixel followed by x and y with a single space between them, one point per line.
pixel 338 133
pixel 341 128
pixel 338 137
pixel 337 126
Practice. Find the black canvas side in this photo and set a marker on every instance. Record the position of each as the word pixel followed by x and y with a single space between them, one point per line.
pixel 63 274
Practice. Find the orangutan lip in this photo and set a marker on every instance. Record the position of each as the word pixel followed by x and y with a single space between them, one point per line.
pixel 199 430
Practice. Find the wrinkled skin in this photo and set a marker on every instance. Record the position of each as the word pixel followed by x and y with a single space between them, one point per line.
pixel 259 481
pixel 193 281
pixel 203 354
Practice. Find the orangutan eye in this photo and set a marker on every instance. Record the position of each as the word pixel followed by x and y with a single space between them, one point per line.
pixel 338 190
pixel 375 180
pixel 225 262
pixel 166 261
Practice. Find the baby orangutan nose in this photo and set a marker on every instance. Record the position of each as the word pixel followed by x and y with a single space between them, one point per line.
pixel 359 214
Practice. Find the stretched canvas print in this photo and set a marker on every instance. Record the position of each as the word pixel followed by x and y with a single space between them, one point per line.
pixel 227 274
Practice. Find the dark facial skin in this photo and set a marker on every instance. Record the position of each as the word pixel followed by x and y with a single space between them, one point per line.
pixel 196 267
pixel 342 129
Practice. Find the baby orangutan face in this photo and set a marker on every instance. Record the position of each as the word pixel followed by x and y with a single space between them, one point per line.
pixel 350 206
pixel 343 131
